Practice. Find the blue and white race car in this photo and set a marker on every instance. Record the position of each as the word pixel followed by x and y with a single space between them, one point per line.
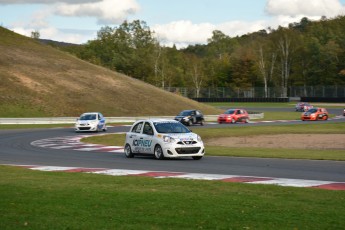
pixel 93 121
pixel 163 138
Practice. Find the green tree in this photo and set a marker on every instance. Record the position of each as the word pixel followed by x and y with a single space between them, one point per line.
pixel 35 34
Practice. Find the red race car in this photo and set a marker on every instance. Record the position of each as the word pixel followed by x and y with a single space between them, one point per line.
pixel 315 114
pixel 233 116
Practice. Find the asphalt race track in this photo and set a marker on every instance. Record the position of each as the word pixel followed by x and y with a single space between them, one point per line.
pixel 16 148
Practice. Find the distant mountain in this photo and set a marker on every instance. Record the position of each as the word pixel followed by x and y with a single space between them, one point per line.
pixel 56 43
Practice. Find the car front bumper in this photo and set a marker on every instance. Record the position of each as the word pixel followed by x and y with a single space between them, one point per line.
pixel 85 128
pixel 177 150
pixel 305 118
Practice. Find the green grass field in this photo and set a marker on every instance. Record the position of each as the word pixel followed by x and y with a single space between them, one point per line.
pixel 57 200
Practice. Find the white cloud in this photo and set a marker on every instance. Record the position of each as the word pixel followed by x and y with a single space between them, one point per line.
pixel 281 12
pixel 8 2
pixel 308 8
pixel 183 33
pixel 106 11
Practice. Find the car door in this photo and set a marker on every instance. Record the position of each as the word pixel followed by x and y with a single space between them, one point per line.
pixel 146 139
pixel 199 116
pixel 242 115
pixel 133 137
pixel 101 121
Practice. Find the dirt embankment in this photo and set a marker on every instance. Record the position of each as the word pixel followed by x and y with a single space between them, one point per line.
pixel 287 141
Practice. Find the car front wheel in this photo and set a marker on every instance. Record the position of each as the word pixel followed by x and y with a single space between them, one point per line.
pixel 233 121
pixel 128 151
pixel 159 152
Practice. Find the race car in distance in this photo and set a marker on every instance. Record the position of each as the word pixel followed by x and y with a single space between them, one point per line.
pixel 163 138
pixel 233 116
pixel 92 121
pixel 303 107
pixel 190 117
pixel 315 114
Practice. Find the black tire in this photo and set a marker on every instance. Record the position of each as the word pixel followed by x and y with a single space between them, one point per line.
pixel 246 120
pixel 158 153
pixel 128 151
pixel 197 157
pixel 190 123
pixel 202 122
pixel 233 121
pixel 104 128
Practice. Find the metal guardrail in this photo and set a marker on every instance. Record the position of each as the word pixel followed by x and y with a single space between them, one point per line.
pixel 72 120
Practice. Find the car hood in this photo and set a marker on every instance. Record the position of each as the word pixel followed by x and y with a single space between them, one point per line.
pixel 85 121
pixel 183 136
pixel 225 115
pixel 308 113
pixel 179 117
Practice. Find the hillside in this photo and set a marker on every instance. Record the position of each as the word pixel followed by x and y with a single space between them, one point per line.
pixel 38 80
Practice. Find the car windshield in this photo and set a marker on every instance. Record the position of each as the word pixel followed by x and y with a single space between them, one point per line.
pixel 185 113
pixel 312 110
pixel 230 111
pixel 170 127
pixel 86 117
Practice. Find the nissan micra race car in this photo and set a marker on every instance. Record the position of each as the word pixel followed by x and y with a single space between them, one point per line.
pixel 163 138
pixel 233 116
pixel 93 121
pixel 315 114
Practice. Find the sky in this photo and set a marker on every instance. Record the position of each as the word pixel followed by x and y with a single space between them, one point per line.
pixel 179 22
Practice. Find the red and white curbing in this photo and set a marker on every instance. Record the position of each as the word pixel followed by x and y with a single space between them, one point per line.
pixel 328 185
pixel 73 143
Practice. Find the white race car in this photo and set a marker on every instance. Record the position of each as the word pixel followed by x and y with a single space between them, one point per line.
pixel 93 121
pixel 163 138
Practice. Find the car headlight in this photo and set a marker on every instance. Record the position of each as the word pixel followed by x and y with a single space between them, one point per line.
pixel 168 139
pixel 199 138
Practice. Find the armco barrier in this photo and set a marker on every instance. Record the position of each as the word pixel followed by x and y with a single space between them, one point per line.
pixel 324 99
pixel 249 99
pixel 72 120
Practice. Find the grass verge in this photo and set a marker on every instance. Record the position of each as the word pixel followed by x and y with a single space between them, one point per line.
pixel 270 104
pixel 58 200
pixel 34 126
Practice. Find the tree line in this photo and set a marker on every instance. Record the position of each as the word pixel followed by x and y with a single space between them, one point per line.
pixel 306 53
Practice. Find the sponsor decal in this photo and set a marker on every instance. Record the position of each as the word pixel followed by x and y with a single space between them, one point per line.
pixel 142 146
pixel 142 143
